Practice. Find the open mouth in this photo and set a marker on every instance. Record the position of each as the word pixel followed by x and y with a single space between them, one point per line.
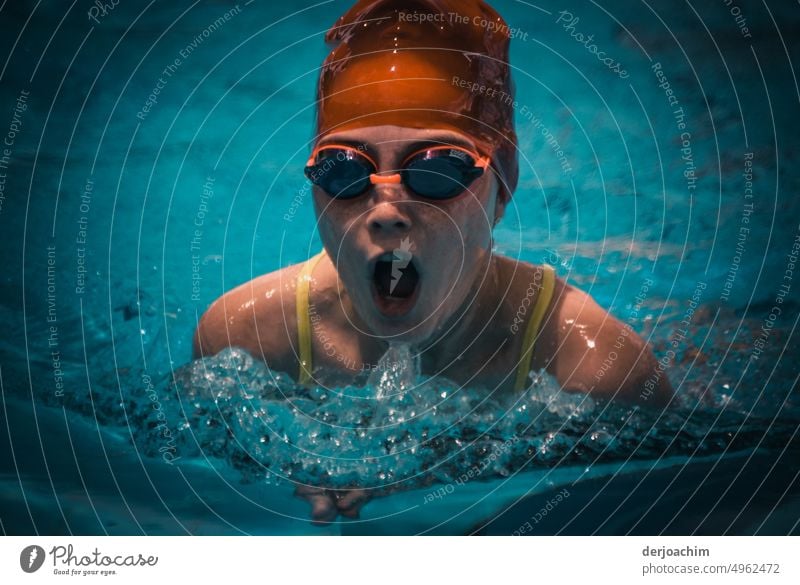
pixel 395 283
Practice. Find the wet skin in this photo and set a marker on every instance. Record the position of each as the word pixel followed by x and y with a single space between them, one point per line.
pixel 461 322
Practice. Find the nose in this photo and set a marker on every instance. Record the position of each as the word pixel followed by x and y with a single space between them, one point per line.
pixel 389 213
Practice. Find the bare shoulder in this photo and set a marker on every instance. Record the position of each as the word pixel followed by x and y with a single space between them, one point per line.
pixel 589 350
pixel 258 316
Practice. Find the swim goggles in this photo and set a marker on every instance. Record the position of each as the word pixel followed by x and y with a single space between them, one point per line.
pixel 439 172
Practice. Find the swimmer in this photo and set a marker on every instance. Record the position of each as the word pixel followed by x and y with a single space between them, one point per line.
pixel 411 172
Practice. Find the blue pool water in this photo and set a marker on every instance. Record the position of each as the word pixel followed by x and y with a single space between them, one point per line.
pixel 123 218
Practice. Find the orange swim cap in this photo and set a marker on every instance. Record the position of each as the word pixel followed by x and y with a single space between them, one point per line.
pixel 423 64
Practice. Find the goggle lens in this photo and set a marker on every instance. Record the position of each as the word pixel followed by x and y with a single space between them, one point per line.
pixel 340 173
pixel 441 176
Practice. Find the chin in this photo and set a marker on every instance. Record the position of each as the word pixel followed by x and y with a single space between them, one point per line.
pixel 416 327
pixel 399 330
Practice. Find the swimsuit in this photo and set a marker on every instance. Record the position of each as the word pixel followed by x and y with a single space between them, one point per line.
pixel 531 331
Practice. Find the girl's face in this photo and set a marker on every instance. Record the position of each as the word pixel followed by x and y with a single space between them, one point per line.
pixel 408 264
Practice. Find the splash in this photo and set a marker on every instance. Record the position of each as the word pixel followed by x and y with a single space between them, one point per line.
pixel 398 371
pixel 402 428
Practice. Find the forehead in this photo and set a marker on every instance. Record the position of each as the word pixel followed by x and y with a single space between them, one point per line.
pixel 396 136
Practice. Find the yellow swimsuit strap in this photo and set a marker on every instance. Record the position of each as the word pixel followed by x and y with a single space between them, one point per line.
pixel 304 318
pixel 532 330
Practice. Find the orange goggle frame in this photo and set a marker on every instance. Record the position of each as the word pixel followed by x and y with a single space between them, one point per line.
pixel 437 172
